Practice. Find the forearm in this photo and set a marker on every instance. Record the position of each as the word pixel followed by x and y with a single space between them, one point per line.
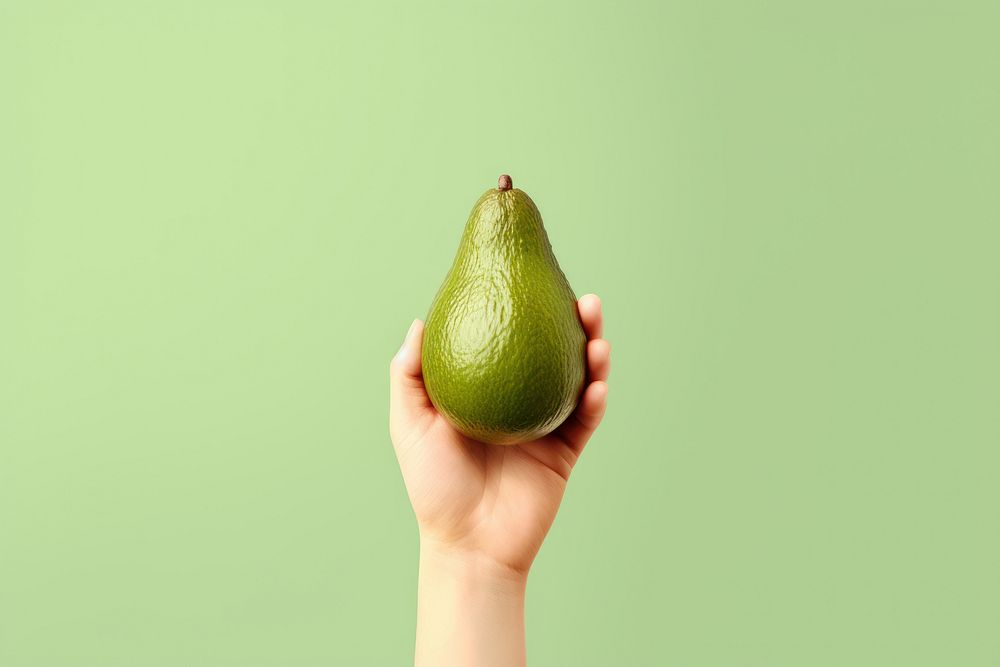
pixel 470 611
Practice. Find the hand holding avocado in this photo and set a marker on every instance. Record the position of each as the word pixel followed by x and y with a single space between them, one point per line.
pixel 491 404
pixel 492 501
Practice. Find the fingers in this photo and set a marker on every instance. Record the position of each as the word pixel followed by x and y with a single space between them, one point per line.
pixel 576 430
pixel 407 397
pixel 591 317
pixel 598 359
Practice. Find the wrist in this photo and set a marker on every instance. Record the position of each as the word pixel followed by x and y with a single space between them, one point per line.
pixel 470 610
pixel 470 565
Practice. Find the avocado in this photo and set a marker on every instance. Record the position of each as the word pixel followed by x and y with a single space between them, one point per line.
pixel 504 352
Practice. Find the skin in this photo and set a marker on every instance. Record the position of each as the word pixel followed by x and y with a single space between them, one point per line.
pixel 483 510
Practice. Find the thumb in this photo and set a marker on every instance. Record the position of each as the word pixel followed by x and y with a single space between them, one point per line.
pixel 407 397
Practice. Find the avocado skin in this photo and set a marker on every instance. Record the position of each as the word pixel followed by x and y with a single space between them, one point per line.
pixel 503 352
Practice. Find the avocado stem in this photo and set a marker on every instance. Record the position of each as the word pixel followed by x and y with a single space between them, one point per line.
pixel 505 183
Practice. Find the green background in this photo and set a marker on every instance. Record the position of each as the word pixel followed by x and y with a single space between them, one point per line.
pixel 218 219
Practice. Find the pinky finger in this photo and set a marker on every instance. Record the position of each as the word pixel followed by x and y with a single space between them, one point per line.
pixel 578 428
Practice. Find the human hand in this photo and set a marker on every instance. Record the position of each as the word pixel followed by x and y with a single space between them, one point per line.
pixel 483 510
pixel 491 503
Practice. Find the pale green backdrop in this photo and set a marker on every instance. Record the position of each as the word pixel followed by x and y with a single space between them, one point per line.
pixel 217 220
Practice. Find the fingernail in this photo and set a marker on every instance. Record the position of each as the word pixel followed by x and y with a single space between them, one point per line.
pixel 411 331
pixel 406 341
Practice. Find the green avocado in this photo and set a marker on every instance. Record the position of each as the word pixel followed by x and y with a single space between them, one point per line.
pixel 503 353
